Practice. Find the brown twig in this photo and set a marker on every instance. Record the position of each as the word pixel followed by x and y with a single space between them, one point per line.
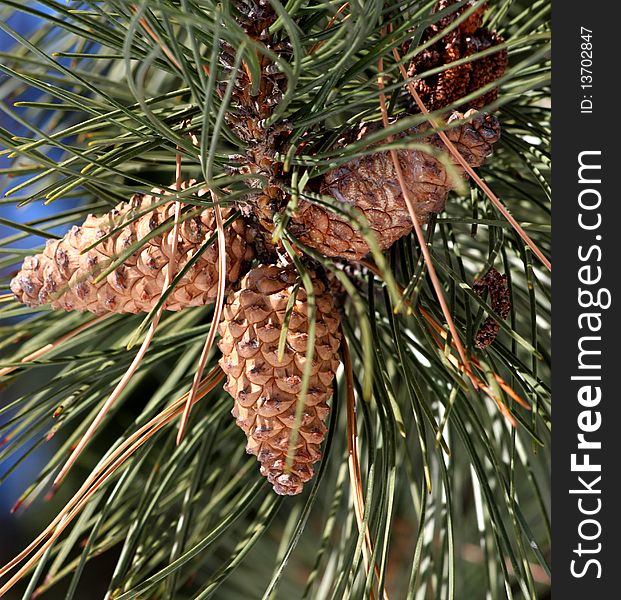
pixel 156 39
pixel 331 22
pixel 98 477
pixel 170 273
pixel 217 315
pixel 441 337
pixel 475 361
pixel 437 286
pixel 462 161
pixel 354 463
pixel 52 345
pixel 478 383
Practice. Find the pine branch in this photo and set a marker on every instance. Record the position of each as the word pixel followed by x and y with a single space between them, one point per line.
pixel 98 101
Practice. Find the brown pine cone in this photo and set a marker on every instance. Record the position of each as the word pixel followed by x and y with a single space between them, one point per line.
pixel 370 184
pixel 266 390
pixel 64 277
pixel 499 300
pixel 254 16
pixel 251 106
pixel 453 83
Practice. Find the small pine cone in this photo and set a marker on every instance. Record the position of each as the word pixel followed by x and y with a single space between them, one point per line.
pixel 500 301
pixel 254 16
pixel 64 277
pixel 453 83
pixel 265 389
pixel 370 184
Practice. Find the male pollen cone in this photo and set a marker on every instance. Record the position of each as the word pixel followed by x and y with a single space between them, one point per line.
pixel 370 184
pixel 265 389
pixel 456 82
pixel 64 274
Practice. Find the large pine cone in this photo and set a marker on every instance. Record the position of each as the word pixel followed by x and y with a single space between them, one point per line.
pixel 64 277
pixel 370 184
pixel 266 390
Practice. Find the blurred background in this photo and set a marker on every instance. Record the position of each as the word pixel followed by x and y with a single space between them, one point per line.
pixel 19 526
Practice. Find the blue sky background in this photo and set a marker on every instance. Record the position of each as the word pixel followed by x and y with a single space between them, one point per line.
pixel 14 528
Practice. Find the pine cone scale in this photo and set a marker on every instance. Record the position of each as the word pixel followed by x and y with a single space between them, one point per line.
pixel 266 387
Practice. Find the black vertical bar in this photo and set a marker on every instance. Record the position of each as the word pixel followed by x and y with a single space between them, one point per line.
pixel 586 499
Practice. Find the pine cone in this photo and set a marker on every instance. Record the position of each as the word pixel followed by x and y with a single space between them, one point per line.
pixel 452 84
pixel 249 110
pixel 63 276
pixel 370 184
pixel 254 16
pixel 266 390
pixel 248 114
pixel 500 301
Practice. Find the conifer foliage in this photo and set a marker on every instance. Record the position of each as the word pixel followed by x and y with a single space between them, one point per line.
pixel 328 219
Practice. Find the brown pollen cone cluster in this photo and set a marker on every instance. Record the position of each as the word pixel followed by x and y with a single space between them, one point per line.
pixel 64 274
pixel 500 301
pixel 370 184
pixel 453 83
pixel 265 389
